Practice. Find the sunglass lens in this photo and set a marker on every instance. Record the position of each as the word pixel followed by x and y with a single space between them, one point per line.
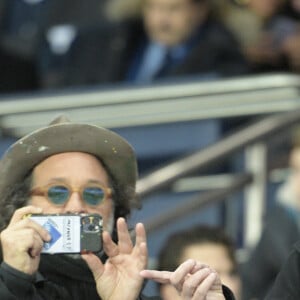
pixel 58 194
pixel 93 195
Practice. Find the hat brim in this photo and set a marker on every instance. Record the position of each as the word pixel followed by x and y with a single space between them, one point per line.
pixel 114 151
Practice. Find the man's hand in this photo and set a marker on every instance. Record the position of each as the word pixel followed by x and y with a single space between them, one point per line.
pixel 119 277
pixel 193 281
pixel 22 241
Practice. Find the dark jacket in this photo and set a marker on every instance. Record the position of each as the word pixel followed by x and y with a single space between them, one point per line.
pixel 280 233
pixel 16 73
pixel 106 54
pixel 52 283
pixel 286 286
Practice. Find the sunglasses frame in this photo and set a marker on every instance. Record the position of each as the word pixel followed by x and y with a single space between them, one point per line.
pixel 43 191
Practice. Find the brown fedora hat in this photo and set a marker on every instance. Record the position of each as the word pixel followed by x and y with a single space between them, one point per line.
pixel 64 136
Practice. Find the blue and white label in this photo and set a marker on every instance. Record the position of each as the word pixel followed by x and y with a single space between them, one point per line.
pixel 55 235
pixel 64 231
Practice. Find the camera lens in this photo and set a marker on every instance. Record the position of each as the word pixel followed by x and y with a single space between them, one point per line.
pixel 91 227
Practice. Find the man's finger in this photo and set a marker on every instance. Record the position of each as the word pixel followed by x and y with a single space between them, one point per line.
pixel 191 283
pixel 158 276
pixel 124 240
pixel 21 212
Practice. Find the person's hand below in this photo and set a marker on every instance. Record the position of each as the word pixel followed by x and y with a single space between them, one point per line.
pixel 22 241
pixel 119 277
pixel 193 281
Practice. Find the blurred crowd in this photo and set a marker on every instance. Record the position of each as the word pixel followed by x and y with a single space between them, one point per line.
pixel 49 44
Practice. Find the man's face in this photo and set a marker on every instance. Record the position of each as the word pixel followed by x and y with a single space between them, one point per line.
pixel 216 257
pixel 171 22
pixel 74 169
pixel 295 168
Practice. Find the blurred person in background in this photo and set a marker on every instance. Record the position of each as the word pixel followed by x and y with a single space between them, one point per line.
pixel 169 39
pixel 286 285
pixel 281 231
pixel 184 33
pixel 17 72
pixel 206 244
pixel 264 31
pixel 27 25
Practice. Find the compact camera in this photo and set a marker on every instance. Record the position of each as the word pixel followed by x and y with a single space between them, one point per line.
pixel 71 233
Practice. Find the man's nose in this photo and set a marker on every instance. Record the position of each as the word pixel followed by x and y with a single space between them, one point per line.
pixel 75 204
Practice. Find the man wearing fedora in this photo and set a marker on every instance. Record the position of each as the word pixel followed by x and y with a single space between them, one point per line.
pixel 69 168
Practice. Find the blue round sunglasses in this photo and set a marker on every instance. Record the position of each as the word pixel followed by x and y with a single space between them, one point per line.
pixel 59 194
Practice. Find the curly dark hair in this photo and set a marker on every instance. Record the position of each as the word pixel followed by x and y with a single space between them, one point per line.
pixel 14 198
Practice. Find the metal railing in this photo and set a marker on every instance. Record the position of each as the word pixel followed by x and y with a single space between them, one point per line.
pixel 126 106
pixel 259 131
pixel 252 139
pixel 198 202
